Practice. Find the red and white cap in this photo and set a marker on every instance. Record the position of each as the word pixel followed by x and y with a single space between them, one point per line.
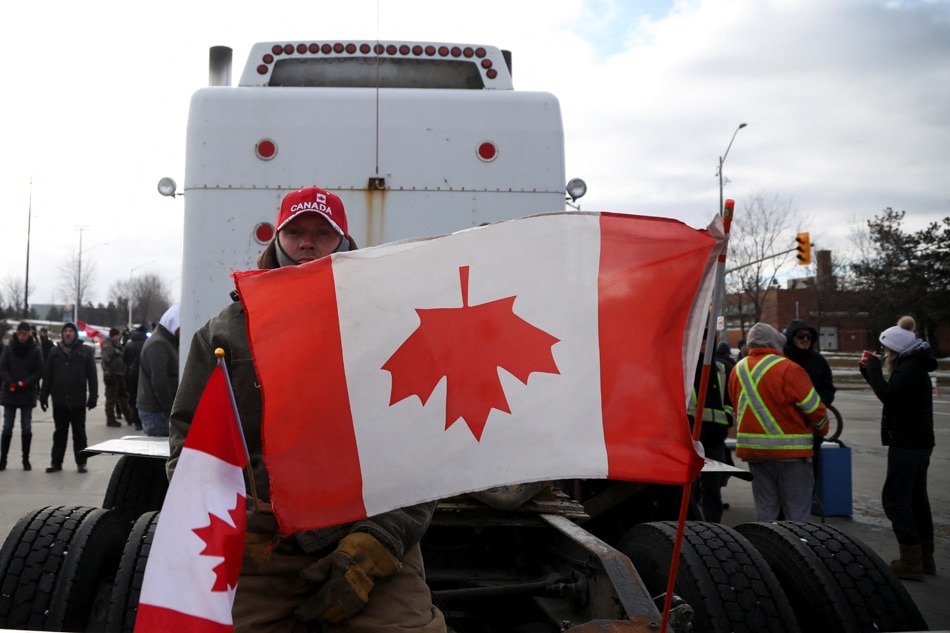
pixel 313 200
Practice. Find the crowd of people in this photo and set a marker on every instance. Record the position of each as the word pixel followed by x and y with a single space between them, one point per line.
pixel 137 366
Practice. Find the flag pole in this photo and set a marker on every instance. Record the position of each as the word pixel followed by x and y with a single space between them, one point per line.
pixel 219 355
pixel 727 213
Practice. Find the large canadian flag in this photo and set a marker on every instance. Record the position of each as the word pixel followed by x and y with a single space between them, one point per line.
pixel 193 565
pixel 543 348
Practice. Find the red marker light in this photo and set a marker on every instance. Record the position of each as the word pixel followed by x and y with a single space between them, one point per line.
pixel 487 151
pixel 265 149
pixel 264 232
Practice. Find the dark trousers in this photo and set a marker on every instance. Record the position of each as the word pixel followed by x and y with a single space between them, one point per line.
pixel 904 496
pixel 707 489
pixel 117 400
pixel 132 389
pixel 65 418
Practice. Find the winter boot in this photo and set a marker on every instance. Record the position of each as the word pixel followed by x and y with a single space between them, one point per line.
pixel 927 558
pixel 909 566
pixel 26 439
pixel 4 449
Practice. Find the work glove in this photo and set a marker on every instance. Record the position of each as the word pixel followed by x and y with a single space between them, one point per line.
pixel 21 384
pixel 345 577
pixel 261 536
pixel 91 404
pixel 44 405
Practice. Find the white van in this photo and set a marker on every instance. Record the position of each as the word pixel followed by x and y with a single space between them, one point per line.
pixel 416 138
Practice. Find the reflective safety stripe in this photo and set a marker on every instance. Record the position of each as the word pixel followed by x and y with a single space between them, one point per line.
pixel 717 416
pixel 784 442
pixel 809 404
pixel 773 437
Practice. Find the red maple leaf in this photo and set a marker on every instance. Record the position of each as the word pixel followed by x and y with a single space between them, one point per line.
pixel 223 539
pixel 467 345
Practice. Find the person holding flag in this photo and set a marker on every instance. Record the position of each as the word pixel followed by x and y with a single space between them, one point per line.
pixel 366 575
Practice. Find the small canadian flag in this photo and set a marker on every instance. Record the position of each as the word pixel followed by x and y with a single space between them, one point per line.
pixel 192 570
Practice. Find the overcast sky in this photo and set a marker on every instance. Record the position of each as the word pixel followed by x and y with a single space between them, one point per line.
pixel 846 104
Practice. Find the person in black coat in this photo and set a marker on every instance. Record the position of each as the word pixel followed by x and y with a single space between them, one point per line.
pixel 70 378
pixel 130 356
pixel 21 367
pixel 801 347
pixel 907 429
pixel 46 345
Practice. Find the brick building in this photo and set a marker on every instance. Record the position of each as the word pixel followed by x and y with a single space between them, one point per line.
pixel 836 314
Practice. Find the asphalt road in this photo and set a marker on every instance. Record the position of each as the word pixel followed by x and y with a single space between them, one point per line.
pixel 25 491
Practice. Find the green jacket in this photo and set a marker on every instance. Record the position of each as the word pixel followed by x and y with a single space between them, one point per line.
pixel 111 360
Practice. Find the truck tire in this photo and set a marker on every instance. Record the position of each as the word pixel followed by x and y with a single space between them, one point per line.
pixel 834 582
pixel 128 579
pixel 57 567
pixel 721 576
pixel 138 485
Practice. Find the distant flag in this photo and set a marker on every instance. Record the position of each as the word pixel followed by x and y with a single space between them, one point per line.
pixel 90 331
pixel 195 560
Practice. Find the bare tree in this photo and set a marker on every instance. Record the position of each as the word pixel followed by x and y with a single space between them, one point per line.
pixel 760 246
pixel 78 275
pixel 13 289
pixel 149 295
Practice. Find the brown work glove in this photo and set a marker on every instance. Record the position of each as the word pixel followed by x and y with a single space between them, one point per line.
pixel 261 536
pixel 345 577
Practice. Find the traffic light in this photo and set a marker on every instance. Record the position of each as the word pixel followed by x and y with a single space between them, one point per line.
pixel 803 246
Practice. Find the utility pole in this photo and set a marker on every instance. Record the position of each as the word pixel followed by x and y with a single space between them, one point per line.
pixel 78 276
pixel 26 284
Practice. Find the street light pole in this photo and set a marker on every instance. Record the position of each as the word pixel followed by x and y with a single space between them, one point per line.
pixel 721 317
pixel 78 277
pixel 26 285
pixel 722 159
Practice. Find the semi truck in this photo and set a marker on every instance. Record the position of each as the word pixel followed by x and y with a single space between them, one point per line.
pixel 421 139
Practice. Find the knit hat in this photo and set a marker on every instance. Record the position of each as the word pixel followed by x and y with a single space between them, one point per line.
pixel 764 335
pixel 897 339
pixel 23 325
pixel 313 200
pixel 171 319
pixel 723 348
pixel 71 326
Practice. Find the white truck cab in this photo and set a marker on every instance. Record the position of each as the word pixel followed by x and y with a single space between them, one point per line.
pixel 416 138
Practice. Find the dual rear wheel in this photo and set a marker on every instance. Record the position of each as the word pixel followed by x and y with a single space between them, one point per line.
pixel 781 576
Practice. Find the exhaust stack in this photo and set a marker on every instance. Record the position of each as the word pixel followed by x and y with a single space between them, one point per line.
pixel 219 66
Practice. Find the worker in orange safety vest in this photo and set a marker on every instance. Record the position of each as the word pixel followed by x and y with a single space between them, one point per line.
pixel 778 412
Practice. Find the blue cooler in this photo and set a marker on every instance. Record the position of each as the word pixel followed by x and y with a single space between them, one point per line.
pixel 833 487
